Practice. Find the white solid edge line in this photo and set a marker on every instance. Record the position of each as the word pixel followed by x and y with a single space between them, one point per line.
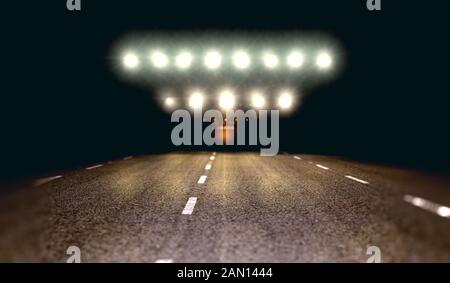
pixel 356 179
pixel 189 208
pixel 323 167
pixel 296 157
pixel 93 167
pixel 42 181
pixel 208 167
pixel 442 211
pixel 202 179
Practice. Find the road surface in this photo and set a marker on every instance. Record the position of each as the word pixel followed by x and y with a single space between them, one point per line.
pixel 228 207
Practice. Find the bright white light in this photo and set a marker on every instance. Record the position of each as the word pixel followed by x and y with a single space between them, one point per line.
pixel 241 60
pixel 184 60
pixel 226 100
pixel 196 100
pixel 443 211
pixel 170 102
pixel 213 60
pixel 271 60
pixel 295 59
pixel 159 59
pixel 324 60
pixel 418 202
pixel 130 61
pixel 285 100
pixel 258 100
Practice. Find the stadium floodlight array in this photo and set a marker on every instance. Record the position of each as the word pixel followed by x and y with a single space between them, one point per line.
pixel 227 98
pixel 214 60
pixel 290 57
pixel 179 60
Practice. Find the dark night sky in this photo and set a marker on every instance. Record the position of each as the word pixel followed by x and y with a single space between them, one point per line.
pixel 65 106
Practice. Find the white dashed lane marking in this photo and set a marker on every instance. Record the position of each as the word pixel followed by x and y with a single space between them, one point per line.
pixel 356 179
pixel 128 158
pixel 212 158
pixel 164 261
pixel 93 167
pixel 42 181
pixel 189 208
pixel 298 158
pixel 442 211
pixel 202 179
pixel 208 167
pixel 323 167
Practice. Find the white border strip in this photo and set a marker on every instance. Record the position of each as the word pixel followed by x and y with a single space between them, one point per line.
pixel 42 181
pixel 356 179
pixel 323 167
pixel 442 211
pixel 93 167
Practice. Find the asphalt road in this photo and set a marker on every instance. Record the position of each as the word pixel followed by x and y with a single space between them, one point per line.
pixel 287 208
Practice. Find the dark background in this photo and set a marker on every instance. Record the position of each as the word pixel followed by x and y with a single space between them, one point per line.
pixel 63 105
